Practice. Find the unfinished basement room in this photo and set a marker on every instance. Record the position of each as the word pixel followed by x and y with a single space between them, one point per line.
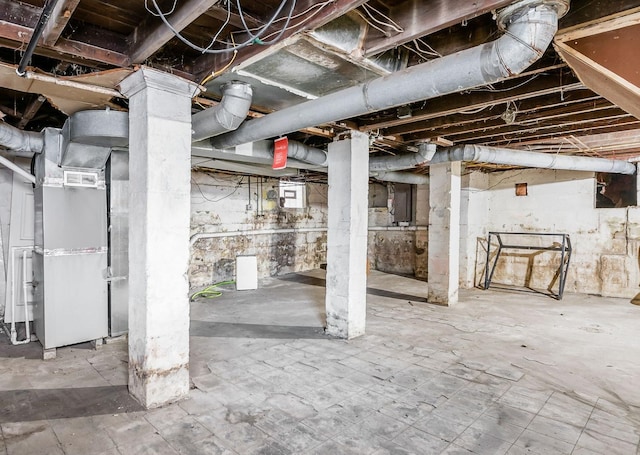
pixel 337 227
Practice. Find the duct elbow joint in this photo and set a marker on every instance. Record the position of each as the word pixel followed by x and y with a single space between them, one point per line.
pixel 226 116
pixel 531 26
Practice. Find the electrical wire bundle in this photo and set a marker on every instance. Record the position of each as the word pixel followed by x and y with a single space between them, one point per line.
pixel 253 38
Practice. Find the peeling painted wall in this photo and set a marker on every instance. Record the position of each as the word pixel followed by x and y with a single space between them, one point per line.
pixel 606 242
pixel 244 216
pixel 224 206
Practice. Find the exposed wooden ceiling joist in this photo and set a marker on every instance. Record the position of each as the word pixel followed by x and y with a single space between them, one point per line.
pixel 543 84
pixel 221 14
pixel 16 27
pixel 531 121
pixel 60 16
pixel 553 100
pixel 580 122
pixel 32 109
pixel 416 20
pixel 152 34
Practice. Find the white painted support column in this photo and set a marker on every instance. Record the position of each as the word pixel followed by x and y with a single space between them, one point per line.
pixel 159 210
pixel 444 232
pixel 346 294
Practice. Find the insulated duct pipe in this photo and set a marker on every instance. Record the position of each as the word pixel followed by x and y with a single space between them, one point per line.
pixel 405 161
pixel 23 143
pixel 401 177
pixel 495 155
pixel 226 116
pixel 530 26
pixel 311 155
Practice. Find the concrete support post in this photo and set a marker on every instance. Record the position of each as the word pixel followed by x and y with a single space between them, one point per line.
pixel 422 236
pixel 444 232
pixel 159 209
pixel 346 295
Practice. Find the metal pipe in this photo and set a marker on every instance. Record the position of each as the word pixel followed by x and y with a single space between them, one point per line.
pixel 20 141
pixel 496 155
pixel 401 177
pixel 35 36
pixel 227 115
pixel 529 30
pixel 404 161
pixel 17 169
pixel 302 152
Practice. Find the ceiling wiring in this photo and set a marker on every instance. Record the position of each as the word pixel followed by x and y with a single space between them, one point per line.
pixel 253 39
pixel 390 22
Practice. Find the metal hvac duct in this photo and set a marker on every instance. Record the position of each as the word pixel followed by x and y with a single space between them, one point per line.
pixel 22 143
pixel 496 155
pixel 530 26
pixel 403 161
pixel 226 116
pixel 401 177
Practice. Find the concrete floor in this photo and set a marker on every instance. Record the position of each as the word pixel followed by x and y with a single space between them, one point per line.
pixel 502 372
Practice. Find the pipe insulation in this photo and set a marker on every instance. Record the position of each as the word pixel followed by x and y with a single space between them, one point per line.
pixel 227 115
pixel 404 161
pixel 401 177
pixel 20 142
pixel 305 153
pixel 496 155
pixel 530 27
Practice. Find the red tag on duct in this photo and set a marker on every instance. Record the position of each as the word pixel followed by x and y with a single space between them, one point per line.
pixel 280 149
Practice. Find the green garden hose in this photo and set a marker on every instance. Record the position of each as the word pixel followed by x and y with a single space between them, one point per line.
pixel 211 292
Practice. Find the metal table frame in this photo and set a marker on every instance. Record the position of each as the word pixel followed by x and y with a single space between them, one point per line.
pixel 564 249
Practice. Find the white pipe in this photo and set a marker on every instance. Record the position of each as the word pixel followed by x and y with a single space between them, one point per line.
pixel 210 235
pixel 14 334
pixel 25 281
pixel 17 169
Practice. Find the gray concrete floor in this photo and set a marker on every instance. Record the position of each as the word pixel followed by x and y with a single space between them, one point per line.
pixel 502 372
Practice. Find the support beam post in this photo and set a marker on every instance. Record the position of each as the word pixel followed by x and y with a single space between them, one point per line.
pixel 346 295
pixel 444 233
pixel 159 208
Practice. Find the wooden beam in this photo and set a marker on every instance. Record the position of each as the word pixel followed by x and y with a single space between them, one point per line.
pixel 220 13
pixel 529 106
pixel 60 16
pixel 204 65
pixel 532 120
pixel 152 34
pixel 16 27
pixel 579 122
pixel 624 124
pixel 8 111
pixel 31 111
pixel 418 19
pixel 543 84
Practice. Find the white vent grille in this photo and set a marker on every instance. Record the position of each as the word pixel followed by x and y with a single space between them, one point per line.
pixel 79 178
